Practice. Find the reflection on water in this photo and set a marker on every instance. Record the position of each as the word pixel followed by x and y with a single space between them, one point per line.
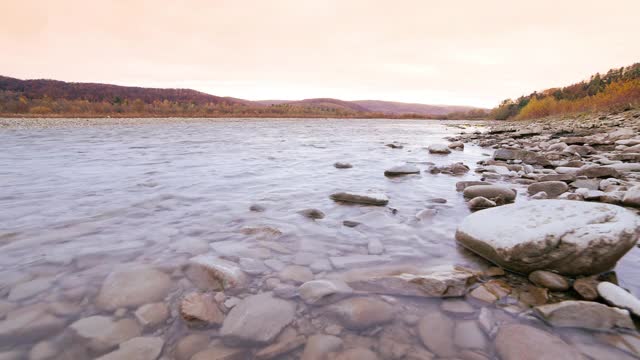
pixel 77 203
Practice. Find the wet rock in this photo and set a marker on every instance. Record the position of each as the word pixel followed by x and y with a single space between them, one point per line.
pixel 491 192
pixel 619 297
pixel 567 237
pixel 319 346
pixel 280 348
pixel 140 348
pixel 394 146
pixel 43 350
pixel 350 261
pixel 467 334
pixel 549 280
pixel 522 342
pixel 481 293
pixel 439 149
pixel 361 198
pixel 189 345
pixel 31 324
pixel 528 157
pixel 320 265
pixel 257 208
pixel 257 320
pixel 426 214
pixel 209 272
pixel 350 223
pixel 558 177
pixel 342 165
pixel 356 354
pixel 540 196
pixel 552 188
pixel 597 171
pixel 461 185
pixel 453 169
pixel 362 312
pixel 587 287
pixel 586 315
pixel 30 288
pixel 436 332
pixel 220 352
pixel 457 307
pixel 442 281
pixel 295 274
pixel 456 145
pixel 402 170
pixel 479 203
pixel 285 291
pixel 322 292
pixel 151 315
pixel 102 333
pixel 632 197
pixel 133 286
pixel 313 214
pixel 253 266
pixel 200 310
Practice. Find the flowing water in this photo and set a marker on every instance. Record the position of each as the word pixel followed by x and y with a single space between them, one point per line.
pixel 78 202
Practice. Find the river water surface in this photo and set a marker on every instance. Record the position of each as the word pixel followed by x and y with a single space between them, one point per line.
pixel 78 201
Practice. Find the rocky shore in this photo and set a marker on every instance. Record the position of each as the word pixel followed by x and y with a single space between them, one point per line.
pixel 554 208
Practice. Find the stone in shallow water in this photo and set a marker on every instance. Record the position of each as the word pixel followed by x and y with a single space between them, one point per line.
pixel 209 272
pixel 619 297
pixel 361 198
pixel 26 325
pixel 436 332
pixel 200 309
pixel 356 354
pixel 586 315
pixel 30 288
pixel 478 203
pixel 632 197
pixel 468 335
pixel 133 286
pixel 362 312
pixel 295 274
pixel 150 315
pixel 491 192
pixel 401 170
pixel 439 149
pixel 342 262
pixel 140 348
pixel 549 280
pixel 552 188
pixel 189 345
pixel 324 291
pixel 280 348
pixel 461 185
pixel 313 214
pixel 319 346
pixel 567 237
pixel 342 165
pixel 257 320
pixel 442 281
pixel 102 333
pixel 522 342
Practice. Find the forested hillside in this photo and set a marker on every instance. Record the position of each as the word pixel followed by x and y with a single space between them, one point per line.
pixel 618 89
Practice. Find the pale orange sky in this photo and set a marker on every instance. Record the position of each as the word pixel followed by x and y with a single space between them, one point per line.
pixel 473 52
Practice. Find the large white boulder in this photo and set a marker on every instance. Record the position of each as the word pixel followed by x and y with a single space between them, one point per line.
pixel 568 237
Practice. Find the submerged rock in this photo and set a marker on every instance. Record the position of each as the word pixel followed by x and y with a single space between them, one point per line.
pixel 28 325
pixel 200 309
pixel 257 320
pixel 586 315
pixel 102 333
pixel 619 297
pixel 209 272
pixel 133 286
pixel 140 348
pixel 359 313
pixel 361 198
pixel 342 165
pixel 322 292
pixel 523 342
pixel 567 237
pixel 402 170
pixel 313 214
pixel 435 282
pixel 436 332
pixel 491 192
pixel 319 346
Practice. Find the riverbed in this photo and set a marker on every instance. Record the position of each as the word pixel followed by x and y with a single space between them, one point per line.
pixel 78 202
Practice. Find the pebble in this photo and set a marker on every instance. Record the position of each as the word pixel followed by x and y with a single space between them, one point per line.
pixel 549 280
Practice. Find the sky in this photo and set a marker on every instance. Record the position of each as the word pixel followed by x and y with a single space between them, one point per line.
pixel 458 52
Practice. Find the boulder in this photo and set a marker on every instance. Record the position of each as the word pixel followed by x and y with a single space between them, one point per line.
pixel 619 297
pixel 133 286
pixel 257 320
pixel 491 192
pixel 359 313
pixel 523 342
pixel 444 281
pixel 361 198
pixel 210 272
pixel 400 170
pixel 552 188
pixel 567 237
pixel 322 292
pixel 586 315
pixel 597 171
pixel 439 149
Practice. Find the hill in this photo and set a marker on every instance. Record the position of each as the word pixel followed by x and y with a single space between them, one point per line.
pixel 391 107
pixel 618 89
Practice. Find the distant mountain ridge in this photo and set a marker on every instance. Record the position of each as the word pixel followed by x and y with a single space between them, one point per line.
pixel 59 97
